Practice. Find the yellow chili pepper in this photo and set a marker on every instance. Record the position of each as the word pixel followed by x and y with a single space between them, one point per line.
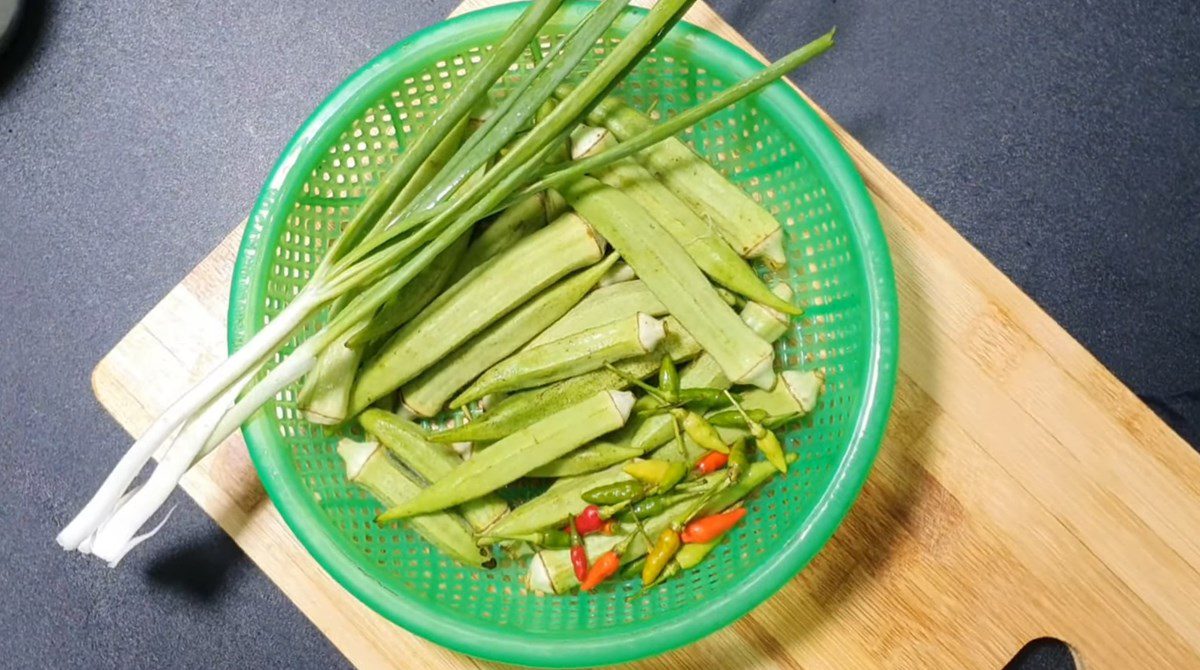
pixel 770 446
pixel 660 554
pixel 660 474
pixel 701 432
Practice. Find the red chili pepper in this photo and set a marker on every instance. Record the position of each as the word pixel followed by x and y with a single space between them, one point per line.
pixel 711 462
pixel 579 558
pixel 589 520
pixel 604 567
pixel 711 527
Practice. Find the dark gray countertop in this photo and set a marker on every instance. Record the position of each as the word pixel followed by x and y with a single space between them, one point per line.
pixel 1061 138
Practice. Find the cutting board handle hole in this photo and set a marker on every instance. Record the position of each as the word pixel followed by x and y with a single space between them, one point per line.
pixel 1045 653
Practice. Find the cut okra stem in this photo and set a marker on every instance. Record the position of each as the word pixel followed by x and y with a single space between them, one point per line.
pixel 512 457
pixel 368 466
pixel 665 266
pixel 573 355
pixel 504 284
pixel 427 394
pixel 406 441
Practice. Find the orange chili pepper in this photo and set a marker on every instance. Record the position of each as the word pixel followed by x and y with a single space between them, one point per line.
pixel 603 568
pixel 711 462
pixel 609 527
pixel 711 527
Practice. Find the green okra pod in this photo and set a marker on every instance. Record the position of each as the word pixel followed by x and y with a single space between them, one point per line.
pixel 571 356
pixel 512 457
pixel 368 466
pixel 420 292
pixel 702 242
pixel 751 230
pixel 704 372
pixel 325 396
pixel 551 538
pixel 406 441
pixel 511 226
pixel 522 409
pixel 664 265
pixel 502 285
pixel 621 272
pixel 794 392
pixel 602 306
pixel 427 394
pixel 555 504
pixel 596 456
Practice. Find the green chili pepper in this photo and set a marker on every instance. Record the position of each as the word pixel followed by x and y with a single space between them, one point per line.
pixel 766 440
pixel 739 463
pixel 701 399
pixel 668 380
pixel 691 554
pixel 615 493
pixel 701 432
pixel 664 549
pixel 731 418
pixel 653 506
pixel 647 403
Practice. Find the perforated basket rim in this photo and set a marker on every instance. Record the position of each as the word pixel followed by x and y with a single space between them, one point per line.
pixel 338 558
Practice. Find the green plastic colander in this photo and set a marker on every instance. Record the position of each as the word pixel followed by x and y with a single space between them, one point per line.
pixel 776 148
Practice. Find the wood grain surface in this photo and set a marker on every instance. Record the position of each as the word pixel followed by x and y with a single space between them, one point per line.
pixel 1021 491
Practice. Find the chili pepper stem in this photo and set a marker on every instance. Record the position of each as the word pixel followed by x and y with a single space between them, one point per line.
pixel 638 383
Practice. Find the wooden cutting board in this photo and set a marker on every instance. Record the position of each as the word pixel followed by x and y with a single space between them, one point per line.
pixel 1021 492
